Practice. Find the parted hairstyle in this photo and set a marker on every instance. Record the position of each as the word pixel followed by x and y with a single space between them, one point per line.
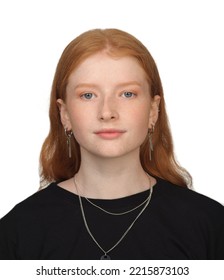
pixel 55 164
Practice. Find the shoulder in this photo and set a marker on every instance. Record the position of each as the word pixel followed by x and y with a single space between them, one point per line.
pixel 185 200
pixel 196 221
pixel 177 192
pixel 41 198
pixel 43 202
pixel 33 219
pixel 185 206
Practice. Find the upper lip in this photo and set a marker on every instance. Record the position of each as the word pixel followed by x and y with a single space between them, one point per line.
pixel 109 130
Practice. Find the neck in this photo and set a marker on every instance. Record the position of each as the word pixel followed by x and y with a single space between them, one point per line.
pixel 111 178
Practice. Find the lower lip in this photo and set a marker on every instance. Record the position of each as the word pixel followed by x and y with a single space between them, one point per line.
pixel 110 135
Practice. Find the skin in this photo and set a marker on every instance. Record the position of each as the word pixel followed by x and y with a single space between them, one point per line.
pixel 109 109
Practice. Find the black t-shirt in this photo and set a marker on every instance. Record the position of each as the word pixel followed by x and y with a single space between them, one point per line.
pixel 178 223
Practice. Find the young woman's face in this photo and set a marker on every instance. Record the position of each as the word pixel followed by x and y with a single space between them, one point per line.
pixel 108 106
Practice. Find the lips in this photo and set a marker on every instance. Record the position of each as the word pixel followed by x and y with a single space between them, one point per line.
pixel 110 133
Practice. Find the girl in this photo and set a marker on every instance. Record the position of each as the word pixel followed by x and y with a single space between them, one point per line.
pixel 115 189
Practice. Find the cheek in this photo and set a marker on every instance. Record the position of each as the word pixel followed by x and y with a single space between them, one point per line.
pixel 76 119
pixel 81 121
pixel 141 116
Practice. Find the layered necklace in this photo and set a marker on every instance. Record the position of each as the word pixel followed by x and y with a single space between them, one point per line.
pixel 105 255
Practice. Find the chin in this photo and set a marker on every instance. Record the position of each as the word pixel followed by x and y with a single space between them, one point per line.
pixel 114 154
pixel 112 151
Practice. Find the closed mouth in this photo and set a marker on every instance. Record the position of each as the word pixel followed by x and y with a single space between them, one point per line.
pixel 110 133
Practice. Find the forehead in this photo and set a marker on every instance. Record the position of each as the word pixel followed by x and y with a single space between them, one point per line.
pixel 103 67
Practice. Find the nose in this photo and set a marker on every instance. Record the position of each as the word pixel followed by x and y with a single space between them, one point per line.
pixel 108 110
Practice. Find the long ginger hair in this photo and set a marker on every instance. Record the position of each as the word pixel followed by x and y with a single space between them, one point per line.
pixel 55 165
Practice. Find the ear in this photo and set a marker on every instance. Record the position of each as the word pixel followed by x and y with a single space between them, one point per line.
pixel 65 120
pixel 154 111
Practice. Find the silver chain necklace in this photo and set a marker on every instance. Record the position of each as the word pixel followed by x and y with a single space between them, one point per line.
pixel 115 213
pixel 106 256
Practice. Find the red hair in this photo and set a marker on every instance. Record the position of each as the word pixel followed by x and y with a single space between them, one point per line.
pixel 55 165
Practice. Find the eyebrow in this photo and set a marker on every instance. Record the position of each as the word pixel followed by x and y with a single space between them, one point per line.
pixel 130 83
pixel 83 85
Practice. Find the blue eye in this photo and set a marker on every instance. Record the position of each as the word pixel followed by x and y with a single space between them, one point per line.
pixel 87 95
pixel 128 94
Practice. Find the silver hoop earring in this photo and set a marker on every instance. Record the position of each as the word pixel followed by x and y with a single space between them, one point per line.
pixel 150 133
pixel 69 135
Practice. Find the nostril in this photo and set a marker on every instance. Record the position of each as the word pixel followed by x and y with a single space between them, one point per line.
pixel 107 117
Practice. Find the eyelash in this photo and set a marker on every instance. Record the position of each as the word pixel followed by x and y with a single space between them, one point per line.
pixel 83 96
pixel 129 92
pixel 91 95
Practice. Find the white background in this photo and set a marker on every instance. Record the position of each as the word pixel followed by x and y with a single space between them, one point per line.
pixel 167 269
pixel 185 38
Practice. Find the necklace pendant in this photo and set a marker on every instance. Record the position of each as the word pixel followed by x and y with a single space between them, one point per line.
pixel 105 257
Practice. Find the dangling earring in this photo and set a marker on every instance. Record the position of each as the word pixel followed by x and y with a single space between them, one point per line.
pixel 69 135
pixel 150 133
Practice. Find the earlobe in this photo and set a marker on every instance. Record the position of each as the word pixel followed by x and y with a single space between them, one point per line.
pixel 65 120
